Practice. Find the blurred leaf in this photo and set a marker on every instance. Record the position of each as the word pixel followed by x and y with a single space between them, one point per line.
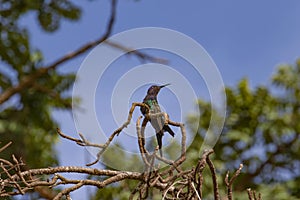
pixel 260 129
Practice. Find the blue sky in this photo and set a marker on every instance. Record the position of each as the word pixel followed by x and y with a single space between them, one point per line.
pixel 244 38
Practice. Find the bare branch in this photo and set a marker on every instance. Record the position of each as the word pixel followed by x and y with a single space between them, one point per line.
pixel 252 195
pixel 81 142
pixel 5 146
pixel 202 162
pixel 199 170
pixel 135 52
pixel 66 192
pixel 214 177
pixel 176 185
pixel 118 131
pixel 11 180
pixel 141 141
pixel 230 182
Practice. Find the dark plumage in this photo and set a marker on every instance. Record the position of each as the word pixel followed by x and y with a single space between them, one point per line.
pixel 156 122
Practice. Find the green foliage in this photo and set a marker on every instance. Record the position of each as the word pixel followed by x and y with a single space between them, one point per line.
pixel 26 117
pixel 118 191
pixel 262 132
pixel 276 192
pixel 115 156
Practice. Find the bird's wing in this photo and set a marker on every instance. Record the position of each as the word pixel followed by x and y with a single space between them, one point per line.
pixel 167 128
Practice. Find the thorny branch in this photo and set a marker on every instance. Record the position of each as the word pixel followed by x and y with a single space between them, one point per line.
pixel 173 181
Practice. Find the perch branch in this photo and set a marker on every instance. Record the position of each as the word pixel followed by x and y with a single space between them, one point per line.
pixel 141 141
pixel 118 131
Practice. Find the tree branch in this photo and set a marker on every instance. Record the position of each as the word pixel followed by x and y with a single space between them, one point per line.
pixel 230 182
pixel 214 177
pixel 5 146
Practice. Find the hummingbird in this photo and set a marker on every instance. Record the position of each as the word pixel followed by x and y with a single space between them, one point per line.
pixel 158 123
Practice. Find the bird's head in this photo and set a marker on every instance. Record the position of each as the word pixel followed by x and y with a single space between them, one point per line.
pixel 154 89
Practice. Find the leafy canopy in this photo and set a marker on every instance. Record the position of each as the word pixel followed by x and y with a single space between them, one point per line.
pixel 261 131
pixel 26 117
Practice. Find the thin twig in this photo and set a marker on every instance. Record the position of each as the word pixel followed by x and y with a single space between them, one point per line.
pixel 118 131
pixel 68 190
pixel 5 146
pixel 230 182
pixel 18 170
pixel 199 169
pixel 170 188
pixel 182 157
pixel 202 162
pixel 135 52
pixel 81 142
pixel 12 180
pixel 250 195
pixel 196 191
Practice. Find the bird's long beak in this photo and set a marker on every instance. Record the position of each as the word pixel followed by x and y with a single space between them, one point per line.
pixel 165 85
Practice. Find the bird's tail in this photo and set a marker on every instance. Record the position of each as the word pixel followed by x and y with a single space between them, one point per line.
pixel 159 141
pixel 167 128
